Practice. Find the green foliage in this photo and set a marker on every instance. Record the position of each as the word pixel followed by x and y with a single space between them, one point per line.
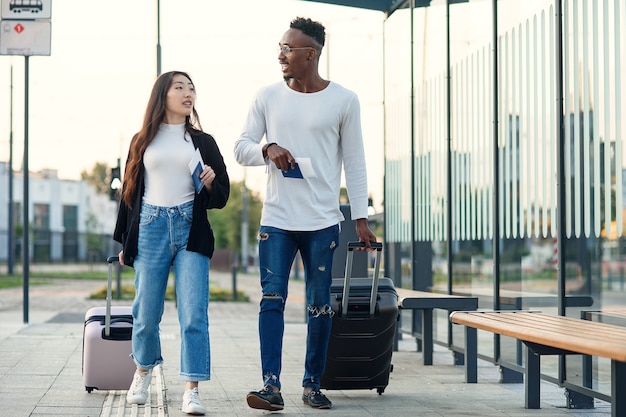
pixel 128 293
pixel 343 196
pixel 99 177
pixel 93 239
pixel 13 281
pixel 226 223
pixel 37 278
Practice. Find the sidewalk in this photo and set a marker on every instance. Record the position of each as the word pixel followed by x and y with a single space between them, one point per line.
pixel 41 366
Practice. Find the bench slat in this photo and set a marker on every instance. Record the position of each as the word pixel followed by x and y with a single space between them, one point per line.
pixel 566 333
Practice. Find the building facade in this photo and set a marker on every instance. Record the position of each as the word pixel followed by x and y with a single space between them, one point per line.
pixel 68 220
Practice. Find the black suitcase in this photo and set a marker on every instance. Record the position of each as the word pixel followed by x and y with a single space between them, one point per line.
pixel 363 330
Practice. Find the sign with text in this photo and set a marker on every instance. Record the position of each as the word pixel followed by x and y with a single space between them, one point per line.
pixel 26 9
pixel 25 37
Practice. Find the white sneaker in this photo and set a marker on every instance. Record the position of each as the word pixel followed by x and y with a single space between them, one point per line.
pixel 191 403
pixel 138 391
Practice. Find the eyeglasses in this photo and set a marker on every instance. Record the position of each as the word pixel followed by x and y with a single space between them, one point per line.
pixel 286 50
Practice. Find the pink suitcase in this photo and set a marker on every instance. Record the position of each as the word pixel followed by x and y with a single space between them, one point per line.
pixel 107 364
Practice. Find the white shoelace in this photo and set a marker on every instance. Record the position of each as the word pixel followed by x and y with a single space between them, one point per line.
pixel 192 396
pixel 139 384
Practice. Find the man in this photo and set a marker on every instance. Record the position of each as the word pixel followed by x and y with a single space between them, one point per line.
pixel 312 126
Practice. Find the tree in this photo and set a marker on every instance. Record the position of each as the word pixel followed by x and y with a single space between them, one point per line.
pixel 99 177
pixel 226 223
pixel 343 196
pixel 94 242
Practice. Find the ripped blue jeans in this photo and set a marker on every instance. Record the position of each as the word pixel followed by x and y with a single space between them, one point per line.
pixel 277 250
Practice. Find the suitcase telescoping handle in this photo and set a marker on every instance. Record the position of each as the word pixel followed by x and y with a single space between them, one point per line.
pixel 107 316
pixel 346 285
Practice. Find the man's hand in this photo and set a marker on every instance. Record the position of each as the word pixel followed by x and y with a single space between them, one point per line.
pixel 281 157
pixel 364 234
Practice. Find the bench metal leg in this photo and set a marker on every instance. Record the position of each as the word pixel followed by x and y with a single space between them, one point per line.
pixel 533 379
pixel 618 387
pixel 427 336
pixel 577 399
pixel 459 358
pixel 510 376
pixel 471 355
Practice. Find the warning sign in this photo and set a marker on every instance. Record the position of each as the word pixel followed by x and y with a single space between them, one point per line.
pixel 25 37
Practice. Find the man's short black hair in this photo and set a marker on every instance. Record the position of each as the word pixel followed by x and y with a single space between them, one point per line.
pixel 310 28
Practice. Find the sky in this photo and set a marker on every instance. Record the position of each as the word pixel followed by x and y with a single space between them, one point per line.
pixel 88 98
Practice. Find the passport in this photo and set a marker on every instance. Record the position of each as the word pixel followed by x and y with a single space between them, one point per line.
pixel 293 172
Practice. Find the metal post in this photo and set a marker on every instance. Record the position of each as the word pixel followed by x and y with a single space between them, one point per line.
pixel 118 266
pixel 25 249
pixel 412 182
pixel 234 276
pixel 11 245
pixel 158 46
pixel 496 180
pixel 560 134
pixel 449 161
pixel 244 226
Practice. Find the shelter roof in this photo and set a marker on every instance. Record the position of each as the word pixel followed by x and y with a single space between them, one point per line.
pixel 386 6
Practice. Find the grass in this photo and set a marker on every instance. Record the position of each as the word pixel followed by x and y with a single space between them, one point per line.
pixel 127 290
pixel 39 278
pixel 128 293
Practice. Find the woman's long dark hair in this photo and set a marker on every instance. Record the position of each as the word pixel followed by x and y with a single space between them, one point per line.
pixel 155 115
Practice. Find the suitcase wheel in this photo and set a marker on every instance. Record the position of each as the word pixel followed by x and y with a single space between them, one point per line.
pixel 380 390
pixel 89 389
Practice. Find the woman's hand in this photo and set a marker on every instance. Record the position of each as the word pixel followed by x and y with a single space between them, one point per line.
pixel 207 177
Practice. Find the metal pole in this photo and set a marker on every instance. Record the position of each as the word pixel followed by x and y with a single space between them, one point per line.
pixel 559 113
pixel 118 266
pixel 11 248
pixel 383 82
pixel 158 46
pixel 561 155
pixel 412 182
pixel 244 225
pixel 449 147
pixel 496 180
pixel 25 251
pixel 449 158
pixel 234 276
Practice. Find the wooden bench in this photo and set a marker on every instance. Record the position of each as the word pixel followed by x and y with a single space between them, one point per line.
pixel 520 300
pixel 608 315
pixel 546 334
pixel 426 302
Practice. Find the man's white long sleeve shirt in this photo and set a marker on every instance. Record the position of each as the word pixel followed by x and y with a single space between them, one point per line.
pixel 323 127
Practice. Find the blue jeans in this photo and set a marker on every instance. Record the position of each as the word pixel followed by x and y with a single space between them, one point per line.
pixel 163 233
pixel 277 250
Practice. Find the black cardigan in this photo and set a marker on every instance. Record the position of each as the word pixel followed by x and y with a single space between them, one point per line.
pixel 201 237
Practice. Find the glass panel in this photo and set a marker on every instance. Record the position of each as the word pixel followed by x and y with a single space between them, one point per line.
pixel 525 182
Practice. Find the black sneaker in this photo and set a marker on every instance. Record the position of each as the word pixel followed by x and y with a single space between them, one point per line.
pixel 316 400
pixel 265 399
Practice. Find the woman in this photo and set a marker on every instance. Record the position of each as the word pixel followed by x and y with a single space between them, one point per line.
pixel 162 222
